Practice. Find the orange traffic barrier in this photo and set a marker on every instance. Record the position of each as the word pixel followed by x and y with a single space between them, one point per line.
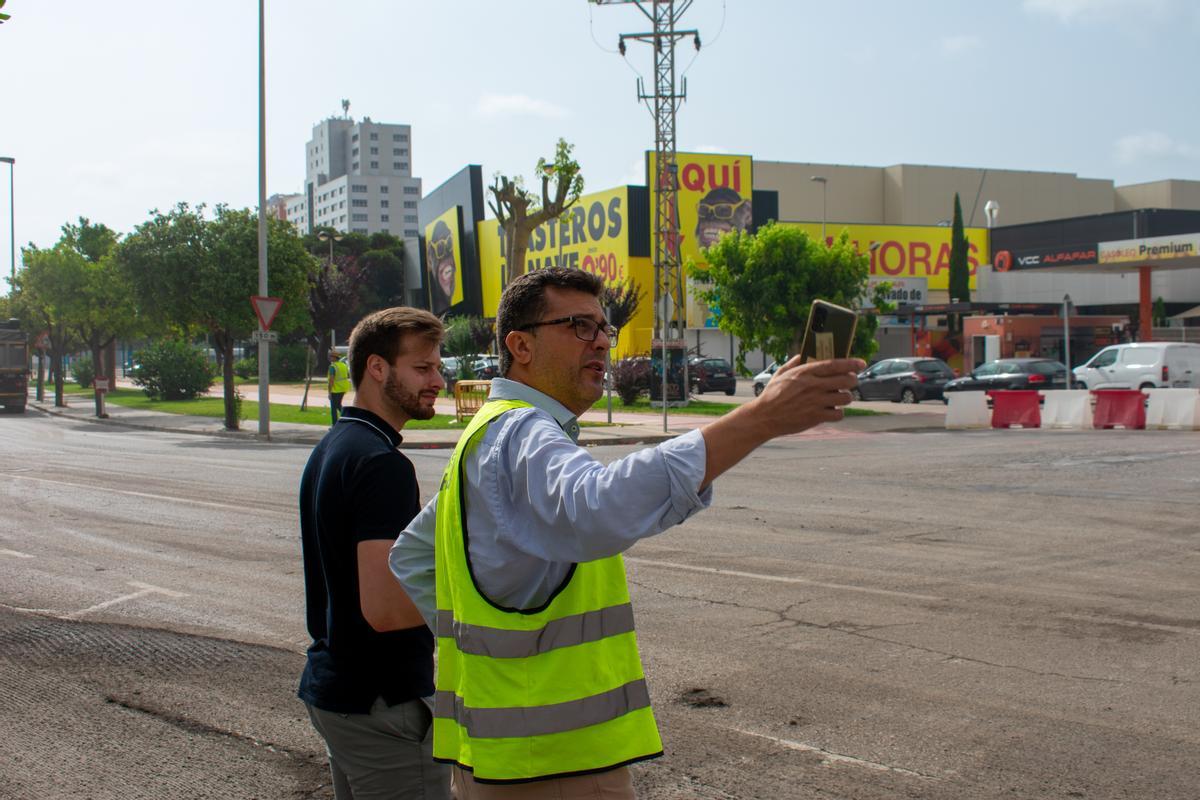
pixel 1016 407
pixel 1119 408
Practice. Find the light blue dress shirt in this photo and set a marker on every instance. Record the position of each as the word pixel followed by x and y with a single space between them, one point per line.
pixel 537 503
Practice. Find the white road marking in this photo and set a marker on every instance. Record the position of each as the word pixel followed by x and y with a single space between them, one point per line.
pixel 150 496
pixel 14 554
pixel 783 579
pixel 829 756
pixel 143 589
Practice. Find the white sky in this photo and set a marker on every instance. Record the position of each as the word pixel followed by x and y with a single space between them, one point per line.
pixel 115 107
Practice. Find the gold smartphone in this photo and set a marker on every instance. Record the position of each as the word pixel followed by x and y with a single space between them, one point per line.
pixel 829 333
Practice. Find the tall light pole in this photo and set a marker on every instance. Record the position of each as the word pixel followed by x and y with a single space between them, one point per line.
pixel 824 184
pixel 331 237
pixel 264 347
pixel 12 229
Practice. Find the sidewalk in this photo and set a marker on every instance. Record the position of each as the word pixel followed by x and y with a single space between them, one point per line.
pixel 628 428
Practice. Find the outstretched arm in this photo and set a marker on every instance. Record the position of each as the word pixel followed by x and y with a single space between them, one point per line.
pixel 799 397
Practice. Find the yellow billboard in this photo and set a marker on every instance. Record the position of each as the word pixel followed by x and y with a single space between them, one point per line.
pixel 714 198
pixel 443 261
pixel 908 251
pixel 594 236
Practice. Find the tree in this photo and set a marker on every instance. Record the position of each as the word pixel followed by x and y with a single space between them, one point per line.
pixel 93 242
pixel 517 209
pixel 49 296
pixel 620 303
pixel 188 270
pixel 105 311
pixel 960 270
pixel 764 284
pixel 1159 313
pixel 465 337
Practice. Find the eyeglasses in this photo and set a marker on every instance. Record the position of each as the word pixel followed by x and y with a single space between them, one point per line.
pixel 719 210
pixel 442 248
pixel 586 329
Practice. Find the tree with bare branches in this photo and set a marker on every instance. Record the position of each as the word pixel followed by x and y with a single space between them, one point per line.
pixel 519 212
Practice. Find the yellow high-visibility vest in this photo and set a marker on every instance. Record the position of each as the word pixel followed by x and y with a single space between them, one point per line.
pixel 341 377
pixel 533 693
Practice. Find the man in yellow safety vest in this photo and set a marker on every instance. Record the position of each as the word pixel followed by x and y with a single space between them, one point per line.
pixel 339 384
pixel 516 563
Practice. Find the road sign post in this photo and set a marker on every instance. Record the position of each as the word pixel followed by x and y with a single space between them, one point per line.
pixel 265 308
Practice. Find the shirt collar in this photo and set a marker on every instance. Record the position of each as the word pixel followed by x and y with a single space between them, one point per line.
pixel 385 429
pixel 505 389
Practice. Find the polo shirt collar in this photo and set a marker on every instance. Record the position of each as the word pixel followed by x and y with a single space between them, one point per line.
pixel 362 416
pixel 505 389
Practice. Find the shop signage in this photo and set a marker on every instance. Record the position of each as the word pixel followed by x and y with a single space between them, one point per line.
pixel 1042 257
pixel 1158 248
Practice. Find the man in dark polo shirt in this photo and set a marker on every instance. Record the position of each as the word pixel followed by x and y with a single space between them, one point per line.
pixel 369 677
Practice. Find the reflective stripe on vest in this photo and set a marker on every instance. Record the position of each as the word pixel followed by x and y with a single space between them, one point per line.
pixel 590 626
pixel 341 377
pixel 494 723
pixel 533 693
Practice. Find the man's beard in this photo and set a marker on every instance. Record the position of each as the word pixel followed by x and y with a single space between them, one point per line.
pixel 405 401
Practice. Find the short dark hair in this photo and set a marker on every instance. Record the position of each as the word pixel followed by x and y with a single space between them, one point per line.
pixel 382 334
pixel 524 301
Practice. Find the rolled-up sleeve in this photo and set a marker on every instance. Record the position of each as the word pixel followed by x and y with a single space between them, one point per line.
pixel 569 507
pixel 412 561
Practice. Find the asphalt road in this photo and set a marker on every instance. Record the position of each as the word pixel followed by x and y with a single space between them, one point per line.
pixel 1009 614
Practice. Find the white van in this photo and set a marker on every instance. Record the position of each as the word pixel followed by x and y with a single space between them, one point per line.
pixel 1142 365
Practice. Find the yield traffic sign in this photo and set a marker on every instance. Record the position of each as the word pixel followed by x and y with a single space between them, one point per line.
pixel 266 308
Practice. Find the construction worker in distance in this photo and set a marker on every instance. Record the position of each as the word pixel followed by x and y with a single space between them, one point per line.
pixel 339 384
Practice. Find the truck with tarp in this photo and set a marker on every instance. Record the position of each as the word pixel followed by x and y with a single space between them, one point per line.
pixel 14 366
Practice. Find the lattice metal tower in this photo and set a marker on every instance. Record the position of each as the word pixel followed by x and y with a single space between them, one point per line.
pixel 670 309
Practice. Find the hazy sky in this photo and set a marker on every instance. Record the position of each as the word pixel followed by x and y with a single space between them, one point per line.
pixel 115 107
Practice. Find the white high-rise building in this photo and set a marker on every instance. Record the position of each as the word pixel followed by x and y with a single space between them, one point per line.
pixel 358 179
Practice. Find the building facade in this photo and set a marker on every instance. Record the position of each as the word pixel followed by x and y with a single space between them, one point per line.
pixel 358 179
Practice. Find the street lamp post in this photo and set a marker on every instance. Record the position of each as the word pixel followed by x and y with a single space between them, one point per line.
pixel 824 184
pixel 331 237
pixel 12 229
pixel 264 346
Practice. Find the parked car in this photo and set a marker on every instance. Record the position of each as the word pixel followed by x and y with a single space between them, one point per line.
pixel 1142 365
pixel 483 368
pixel 486 368
pixel 1012 373
pixel 711 375
pixel 763 378
pixel 904 380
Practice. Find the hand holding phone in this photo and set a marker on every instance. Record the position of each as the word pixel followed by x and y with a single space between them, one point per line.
pixel 829 333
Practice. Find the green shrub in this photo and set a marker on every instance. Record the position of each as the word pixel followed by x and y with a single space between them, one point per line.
pixel 246 367
pixel 631 377
pixel 173 370
pixel 84 371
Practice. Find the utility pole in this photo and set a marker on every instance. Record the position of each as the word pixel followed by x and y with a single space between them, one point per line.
pixel 264 346
pixel 669 291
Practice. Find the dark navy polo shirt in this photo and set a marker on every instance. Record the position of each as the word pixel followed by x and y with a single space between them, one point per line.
pixel 356 486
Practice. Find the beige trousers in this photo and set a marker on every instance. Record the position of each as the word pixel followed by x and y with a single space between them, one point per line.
pixel 613 784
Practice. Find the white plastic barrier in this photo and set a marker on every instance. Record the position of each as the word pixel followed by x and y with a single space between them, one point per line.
pixel 968 410
pixel 1174 409
pixel 1067 408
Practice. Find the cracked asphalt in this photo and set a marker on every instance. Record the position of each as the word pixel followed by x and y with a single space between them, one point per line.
pixel 984 614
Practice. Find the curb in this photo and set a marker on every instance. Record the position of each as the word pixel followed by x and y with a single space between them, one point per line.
pixel 307 438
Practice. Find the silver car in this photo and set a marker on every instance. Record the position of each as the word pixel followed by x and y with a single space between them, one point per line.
pixel 763 378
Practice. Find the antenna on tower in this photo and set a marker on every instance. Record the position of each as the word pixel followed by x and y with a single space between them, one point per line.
pixel 346 108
